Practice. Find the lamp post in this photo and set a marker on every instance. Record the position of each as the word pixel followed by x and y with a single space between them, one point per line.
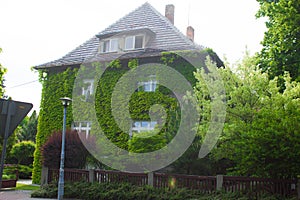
pixel 65 102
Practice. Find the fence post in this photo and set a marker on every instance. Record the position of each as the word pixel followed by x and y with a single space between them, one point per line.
pixel 219 182
pixel 298 188
pixel 91 175
pixel 44 176
pixel 150 178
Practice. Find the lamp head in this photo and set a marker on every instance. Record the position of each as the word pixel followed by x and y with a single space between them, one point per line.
pixel 66 101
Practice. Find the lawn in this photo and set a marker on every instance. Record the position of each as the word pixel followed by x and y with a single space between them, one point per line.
pixel 21 186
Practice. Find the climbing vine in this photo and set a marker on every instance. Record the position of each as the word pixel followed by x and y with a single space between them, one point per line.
pixel 57 84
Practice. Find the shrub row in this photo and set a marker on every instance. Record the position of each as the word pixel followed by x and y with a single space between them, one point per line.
pixel 126 191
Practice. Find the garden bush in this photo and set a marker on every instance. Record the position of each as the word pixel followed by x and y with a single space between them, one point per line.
pixel 25 172
pixel 75 152
pixel 126 191
pixel 22 152
pixel 9 172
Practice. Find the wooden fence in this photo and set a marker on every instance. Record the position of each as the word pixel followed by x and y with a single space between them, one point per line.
pixel 206 184
pixel 105 176
pixel 259 186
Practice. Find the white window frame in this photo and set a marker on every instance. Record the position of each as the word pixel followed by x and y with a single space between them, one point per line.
pixel 78 126
pixel 109 45
pixel 152 83
pixel 132 45
pixel 148 126
pixel 89 89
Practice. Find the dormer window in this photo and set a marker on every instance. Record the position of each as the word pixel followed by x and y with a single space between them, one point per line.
pixel 111 45
pixel 134 42
pixel 134 39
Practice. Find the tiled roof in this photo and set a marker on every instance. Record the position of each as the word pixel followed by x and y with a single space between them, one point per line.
pixel 167 36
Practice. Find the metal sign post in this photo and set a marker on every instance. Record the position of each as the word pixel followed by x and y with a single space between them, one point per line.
pixel 9 109
pixel 11 114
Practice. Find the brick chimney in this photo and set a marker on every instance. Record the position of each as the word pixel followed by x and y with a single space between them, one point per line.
pixel 190 33
pixel 169 12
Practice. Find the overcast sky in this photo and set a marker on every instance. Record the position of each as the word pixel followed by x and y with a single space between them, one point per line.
pixel 33 32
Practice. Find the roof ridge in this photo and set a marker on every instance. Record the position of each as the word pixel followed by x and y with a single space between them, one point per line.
pixel 120 19
pixel 168 36
pixel 162 17
pixel 93 37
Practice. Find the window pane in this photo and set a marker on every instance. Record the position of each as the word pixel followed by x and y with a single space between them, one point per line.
pixel 106 46
pixel 129 42
pixel 152 124
pixel 147 87
pixel 136 124
pixel 114 45
pixel 144 124
pixel 153 86
pixel 139 42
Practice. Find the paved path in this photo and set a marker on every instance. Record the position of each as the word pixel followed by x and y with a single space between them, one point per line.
pixel 8 194
pixel 17 195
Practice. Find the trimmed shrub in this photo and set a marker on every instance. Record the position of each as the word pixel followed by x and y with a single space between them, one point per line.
pixel 126 191
pixel 22 152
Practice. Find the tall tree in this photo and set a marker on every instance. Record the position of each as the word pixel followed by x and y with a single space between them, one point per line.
pixel 281 43
pixel 27 130
pixel 261 134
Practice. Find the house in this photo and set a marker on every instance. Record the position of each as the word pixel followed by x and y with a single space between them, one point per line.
pixel 142 36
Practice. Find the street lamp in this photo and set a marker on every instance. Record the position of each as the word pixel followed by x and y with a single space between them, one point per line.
pixel 65 102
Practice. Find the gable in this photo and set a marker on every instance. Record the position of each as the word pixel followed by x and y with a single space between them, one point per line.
pixel 166 37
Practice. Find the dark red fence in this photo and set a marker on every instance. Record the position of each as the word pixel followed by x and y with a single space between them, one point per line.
pixel 206 184
pixel 70 175
pixel 259 186
pixel 105 176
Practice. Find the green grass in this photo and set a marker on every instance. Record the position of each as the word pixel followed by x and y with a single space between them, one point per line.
pixel 21 186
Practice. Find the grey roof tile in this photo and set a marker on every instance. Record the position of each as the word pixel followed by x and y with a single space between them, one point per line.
pixel 167 36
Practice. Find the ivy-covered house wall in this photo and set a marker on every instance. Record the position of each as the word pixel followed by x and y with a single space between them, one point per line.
pixel 55 84
pixel 59 82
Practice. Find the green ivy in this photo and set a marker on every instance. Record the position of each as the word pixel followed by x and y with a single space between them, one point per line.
pixel 57 84
pixel 133 63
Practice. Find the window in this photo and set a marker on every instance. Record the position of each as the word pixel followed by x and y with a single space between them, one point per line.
pixel 111 45
pixel 141 126
pixel 82 127
pixel 88 87
pixel 134 42
pixel 148 86
pixel 138 42
pixel 114 45
pixel 105 46
pixel 129 43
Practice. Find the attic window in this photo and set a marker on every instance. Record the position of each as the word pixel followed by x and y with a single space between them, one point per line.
pixel 111 45
pixel 134 42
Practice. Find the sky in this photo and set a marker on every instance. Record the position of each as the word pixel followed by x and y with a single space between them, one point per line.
pixel 34 32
